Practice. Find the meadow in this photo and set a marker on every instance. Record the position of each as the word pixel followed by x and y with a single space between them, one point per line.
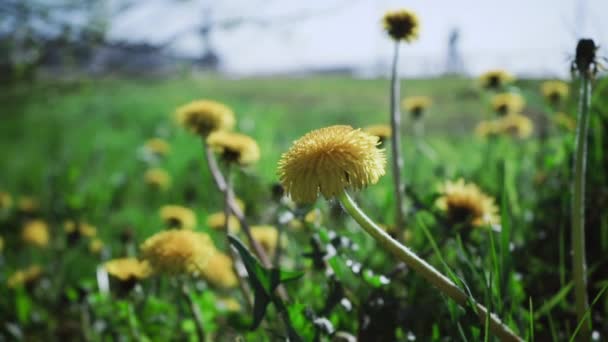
pixel 75 151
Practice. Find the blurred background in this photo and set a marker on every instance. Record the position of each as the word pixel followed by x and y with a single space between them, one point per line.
pixel 254 37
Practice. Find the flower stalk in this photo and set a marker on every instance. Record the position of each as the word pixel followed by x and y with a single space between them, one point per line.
pixel 223 186
pixel 227 214
pixel 195 311
pixel 428 272
pixel 397 159
pixel 578 209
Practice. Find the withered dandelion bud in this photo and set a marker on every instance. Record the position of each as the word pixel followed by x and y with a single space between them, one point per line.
pixel 401 25
pixel 585 60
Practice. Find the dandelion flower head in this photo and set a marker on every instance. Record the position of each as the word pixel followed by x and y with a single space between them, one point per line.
pixel 6 201
pixel 416 105
pixel 465 203
pixel 126 269
pixel 329 160
pixel 178 251
pixel 507 103
pixel 219 271
pixel 516 125
pixel 175 216
pixel 24 277
pixel 235 147
pixel 267 236
pixel 217 221
pixel 158 146
pixel 555 91
pixel 157 178
pixel 205 116
pixel 566 121
pixel 495 79
pixel 383 132
pixel 36 233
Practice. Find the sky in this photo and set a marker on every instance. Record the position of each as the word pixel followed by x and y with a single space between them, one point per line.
pixel 528 37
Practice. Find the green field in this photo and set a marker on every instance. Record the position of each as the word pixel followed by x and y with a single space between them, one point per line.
pixel 77 147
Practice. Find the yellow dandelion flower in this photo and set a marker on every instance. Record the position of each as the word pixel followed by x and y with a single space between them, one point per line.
pixel 178 251
pixel 24 277
pixel 267 236
pixel 87 230
pixel 234 147
pixel 158 146
pixel 240 203
pixel 566 121
pixel 416 105
pixel 295 225
pixel 205 116
pixel 176 216
pixel 35 233
pixel 516 125
pixel 313 217
pixel 69 226
pixel 219 271
pixel 126 269
pixel 486 128
pixel 401 25
pixel 507 103
pixel 229 304
pixel 157 178
pixel 6 201
pixel 383 132
pixel 82 228
pixel 465 203
pixel 28 204
pixel 555 91
pixel 218 220
pixel 408 235
pixel 96 246
pixel 495 79
pixel 328 160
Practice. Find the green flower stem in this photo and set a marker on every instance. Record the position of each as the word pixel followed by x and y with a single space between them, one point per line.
pixel 396 141
pixel 578 209
pixel 227 213
pixel 195 311
pixel 220 183
pixel 428 272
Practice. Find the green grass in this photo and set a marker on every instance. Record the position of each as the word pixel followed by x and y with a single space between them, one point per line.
pixel 77 147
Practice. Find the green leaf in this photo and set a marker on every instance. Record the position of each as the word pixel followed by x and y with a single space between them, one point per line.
pixel 287 276
pixel 263 281
pixel 505 234
pixel 259 279
pixel 24 305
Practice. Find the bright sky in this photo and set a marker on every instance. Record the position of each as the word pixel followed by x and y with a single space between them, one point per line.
pixel 532 37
